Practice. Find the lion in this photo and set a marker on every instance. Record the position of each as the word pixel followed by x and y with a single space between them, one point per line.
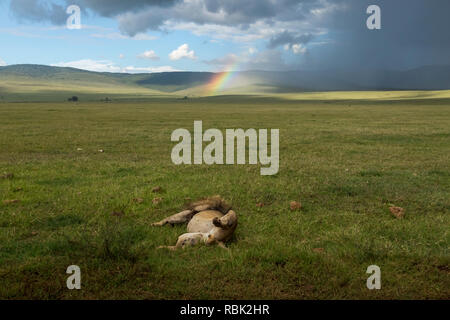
pixel 210 221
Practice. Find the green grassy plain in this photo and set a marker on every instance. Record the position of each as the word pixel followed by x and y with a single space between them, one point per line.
pixel 346 161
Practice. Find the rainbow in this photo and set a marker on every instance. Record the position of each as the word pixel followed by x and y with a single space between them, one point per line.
pixel 220 80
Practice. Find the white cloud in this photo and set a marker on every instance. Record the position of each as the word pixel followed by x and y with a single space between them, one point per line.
pixel 2 62
pixel 91 65
pixel 328 8
pixel 109 66
pixel 214 31
pixel 256 31
pixel 252 50
pixel 182 52
pixel 132 69
pixel 150 54
pixel 298 48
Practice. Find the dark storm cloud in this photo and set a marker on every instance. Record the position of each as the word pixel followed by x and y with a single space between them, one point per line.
pixel 252 10
pixel 234 11
pixel 289 38
pixel 414 32
pixel 33 10
pixel 40 10
pixel 110 8
pixel 249 9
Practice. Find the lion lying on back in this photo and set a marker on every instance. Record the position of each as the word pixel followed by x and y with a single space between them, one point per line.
pixel 210 221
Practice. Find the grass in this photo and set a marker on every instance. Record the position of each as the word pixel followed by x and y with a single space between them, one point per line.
pixel 347 162
pixel 25 90
pixel 370 95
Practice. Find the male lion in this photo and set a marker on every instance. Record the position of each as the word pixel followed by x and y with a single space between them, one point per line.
pixel 211 221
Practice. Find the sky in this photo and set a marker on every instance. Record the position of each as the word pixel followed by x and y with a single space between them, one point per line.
pixel 222 35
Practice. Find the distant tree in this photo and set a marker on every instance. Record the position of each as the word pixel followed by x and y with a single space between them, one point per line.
pixel 74 99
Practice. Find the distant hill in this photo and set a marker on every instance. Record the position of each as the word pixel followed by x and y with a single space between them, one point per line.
pixel 27 81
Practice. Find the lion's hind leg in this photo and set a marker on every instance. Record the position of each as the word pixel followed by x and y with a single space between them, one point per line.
pixel 181 217
pixel 167 247
pixel 227 222
pixel 187 240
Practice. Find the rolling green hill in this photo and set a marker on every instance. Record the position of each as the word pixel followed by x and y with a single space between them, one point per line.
pixel 28 82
